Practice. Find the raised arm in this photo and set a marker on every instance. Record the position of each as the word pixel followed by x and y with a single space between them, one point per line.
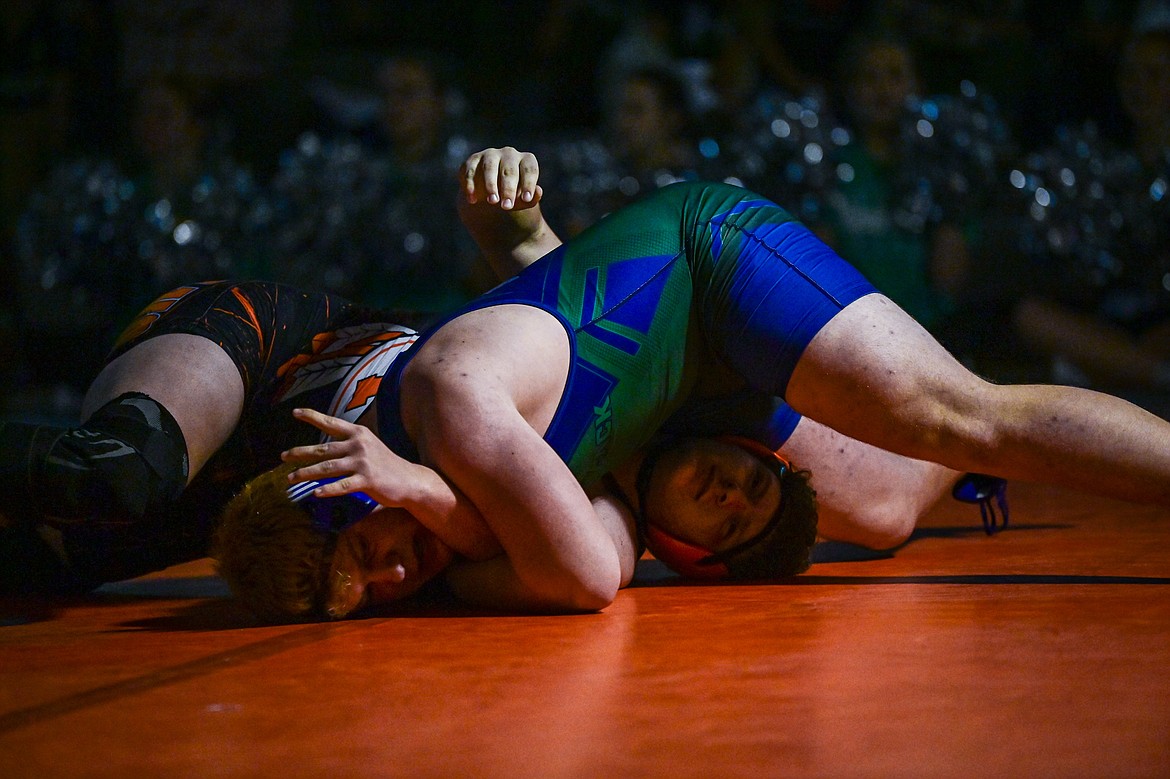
pixel 499 204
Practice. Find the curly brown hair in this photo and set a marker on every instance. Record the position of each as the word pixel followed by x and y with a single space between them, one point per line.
pixel 786 550
pixel 270 552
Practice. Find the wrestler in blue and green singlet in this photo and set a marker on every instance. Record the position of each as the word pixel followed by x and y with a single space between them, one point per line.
pixel 698 295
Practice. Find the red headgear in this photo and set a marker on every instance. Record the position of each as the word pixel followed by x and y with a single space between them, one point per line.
pixel 692 560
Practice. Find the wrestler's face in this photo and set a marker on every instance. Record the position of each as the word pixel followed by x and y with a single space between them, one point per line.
pixel 711 493
pixel 386 556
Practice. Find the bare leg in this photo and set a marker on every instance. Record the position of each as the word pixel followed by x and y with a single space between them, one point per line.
pixel 865 495
pixel 876 375
pixel 191 377
pixel 82 507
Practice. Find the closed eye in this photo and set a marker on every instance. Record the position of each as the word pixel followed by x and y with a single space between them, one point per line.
pixel 763 482
pixel 758 486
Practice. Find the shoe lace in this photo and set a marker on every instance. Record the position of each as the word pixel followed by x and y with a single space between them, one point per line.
pixel 990 494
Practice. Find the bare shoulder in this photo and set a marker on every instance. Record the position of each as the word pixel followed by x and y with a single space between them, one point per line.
pixel 487 339
pixel 506 357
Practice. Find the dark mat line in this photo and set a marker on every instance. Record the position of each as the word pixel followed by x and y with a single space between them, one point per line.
pixel 983 578
pixel 300 636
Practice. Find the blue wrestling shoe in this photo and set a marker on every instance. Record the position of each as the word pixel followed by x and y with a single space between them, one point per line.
pixel 989 492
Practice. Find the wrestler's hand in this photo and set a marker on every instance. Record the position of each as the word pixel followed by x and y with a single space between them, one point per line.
pixel 356 458
pixel 360 462
pixel 501 177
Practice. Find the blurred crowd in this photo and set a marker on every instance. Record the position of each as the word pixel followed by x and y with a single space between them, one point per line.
pixel 998 168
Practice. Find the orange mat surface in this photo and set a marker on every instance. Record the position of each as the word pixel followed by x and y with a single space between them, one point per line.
pixel 1041 652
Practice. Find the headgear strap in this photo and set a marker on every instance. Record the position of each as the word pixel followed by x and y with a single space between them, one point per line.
pixel 331 515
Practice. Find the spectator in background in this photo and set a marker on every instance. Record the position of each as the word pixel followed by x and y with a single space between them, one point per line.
pixel 55 65
pixel 903 247
pixel 647 140
pixel 416 260
pixel 102 236
pixel 368 212
pixel 649 129
pixel 772 122
pixel 1047 61
pixel 645 40
pixel 42 89
pixel 569 39
pixel 751 57
pixel 243 51
pixel 1099 224
pixel 1144 87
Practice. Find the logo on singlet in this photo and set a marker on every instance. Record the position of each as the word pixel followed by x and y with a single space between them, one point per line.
pixel 602 424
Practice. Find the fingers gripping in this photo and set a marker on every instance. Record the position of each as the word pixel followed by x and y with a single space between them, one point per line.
pixel 328 459
pixel 344 486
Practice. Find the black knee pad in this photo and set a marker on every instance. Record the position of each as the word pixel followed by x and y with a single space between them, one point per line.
pixel 126 461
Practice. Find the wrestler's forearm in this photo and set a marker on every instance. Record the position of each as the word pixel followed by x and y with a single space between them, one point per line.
pixel 561 554
pixel 510 241
pixel 539 241
pixel 495 583
pixel 447 513
pixel 552 536
pixel 618 520
pixel 499 204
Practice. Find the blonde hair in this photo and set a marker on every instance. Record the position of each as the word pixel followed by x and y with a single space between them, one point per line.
pixel 270 552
